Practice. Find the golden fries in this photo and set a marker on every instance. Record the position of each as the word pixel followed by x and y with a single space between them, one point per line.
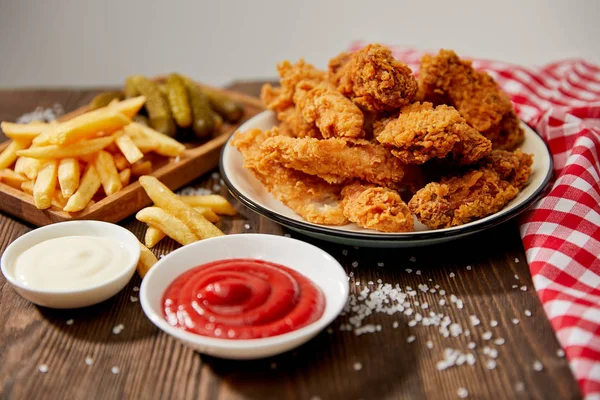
pixel 131 152
pixel 166 199
pixel 109 176
pixel 141 168
pixel 147 260
pixel 166 145
pixel 89 185
pixel 19 167
pixel 208 214
pixel 68 176
pixel 32 167
pixel 25 132
pixel 121 162
pixel 125 176
pixel 153 236
pixel 9 155
pixel 11 178
pixel 45 184
pixel 129 107
pixel 82 148
pixel 215 202
pixel 167 223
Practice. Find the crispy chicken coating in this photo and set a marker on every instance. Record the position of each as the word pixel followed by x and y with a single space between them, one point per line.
pixel 508 134
pixel 334 114
pixel 375 207
pixel 336 159
pixel 373 79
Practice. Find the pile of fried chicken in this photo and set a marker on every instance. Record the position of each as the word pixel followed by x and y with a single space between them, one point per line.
pixel 356 142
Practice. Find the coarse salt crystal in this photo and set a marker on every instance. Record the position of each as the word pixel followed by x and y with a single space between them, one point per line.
pixel 467 332
pixel 425 306
pixel 380 264
pixel 133 299
pixel 43 368
pixel 117 329
pixel 442 302
pixel 115 370
pixel 70 322
pixel 515 321
pixel 493 353
pixel 462 393
pixel 412 323
pixel 493 323
pixel 161 256
pixel 412 259
pixel 345 252
pixel 355 264
pixel 89 360
pixel 459 304
pixel 469 267
pixel 136 289
pixel 516 260
pixel 216 188
pixel 474 320
pixel 519 386
pixel 411 338
pixel 515 286
pixel 442 292
pixel 524 288
pixel 357 366
pixel 486 335
pixel 486 350
pixel 537 366
pixel 490 364
pixel 370 283
pixel 452 275
pixel 215 175
pixel 499 342
pixel 418 272
pixel 429 344
pixel 560 352
pixel 408 270
pixel 42 114
pixel 516 277
pixel 247 226
pixel 395 324
pixel 471 345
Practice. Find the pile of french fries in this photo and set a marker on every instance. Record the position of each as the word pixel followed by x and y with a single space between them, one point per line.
pixel 68 164
pixel 185 219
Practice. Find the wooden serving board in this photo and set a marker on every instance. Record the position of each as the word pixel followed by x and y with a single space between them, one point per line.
pixel 196 160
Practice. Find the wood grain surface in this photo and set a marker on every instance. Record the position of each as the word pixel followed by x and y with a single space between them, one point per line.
pixel 152 365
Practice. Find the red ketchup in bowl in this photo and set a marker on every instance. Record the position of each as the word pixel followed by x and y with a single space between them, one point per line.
pixel 242 299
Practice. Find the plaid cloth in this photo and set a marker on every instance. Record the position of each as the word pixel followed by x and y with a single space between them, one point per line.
pixel 561 233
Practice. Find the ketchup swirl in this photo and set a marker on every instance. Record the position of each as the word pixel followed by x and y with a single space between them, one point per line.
pixel 242 299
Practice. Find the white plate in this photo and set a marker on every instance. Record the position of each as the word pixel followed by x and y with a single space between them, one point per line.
pixel 305 258
pixel 248 190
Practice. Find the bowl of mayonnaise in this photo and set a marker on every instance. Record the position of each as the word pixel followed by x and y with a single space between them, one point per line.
pixel 71 264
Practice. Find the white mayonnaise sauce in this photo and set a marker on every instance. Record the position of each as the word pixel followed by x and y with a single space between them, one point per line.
pixel 71 263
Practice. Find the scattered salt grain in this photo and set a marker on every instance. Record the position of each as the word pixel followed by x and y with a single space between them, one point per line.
pixel 412 259
pixel 43 368
pixel 380 264
pixel 537 366
pixel 515 286
pixel 133 299
pixel 459 304
pixel 451 275
pixel 247 226
pixel 412 323
pixel 471 345
pixel 345 252
pixel 161 256
pixel 493 323
pixel 429 344
pixel 115 370
pixel 70 322
pixel 442 292
pixel 560 352
pixel 395 324
pixel 357 283
pixel 355 264
pixel 499 342
pixel 216 188
pixel 524 288
pixel 89 360
pixel 42 114
pixel 516 260
pixel 136 289
pixel 515 321
pixel 519 386
pixel 357 366
pixel 408 270
pixel 474 320
pixel 192 191
pixel 486 335
pixel 117 329
pixel 462 393
pixel 215 176
pixel 516 277
pixel 411 338
pixel 442 302
pixel 491 364
pixel 528 313
pixel 469 267
pixel 418 272
pixel 493 353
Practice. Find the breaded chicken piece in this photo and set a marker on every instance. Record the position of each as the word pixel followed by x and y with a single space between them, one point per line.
pixel 508 134
pixel 474 94
pixel 336 159
pixel 293 123
pixel 377 208
pixel 422 132
pixel 311 197
pixel 292 74
pixel 334 114
pixel 479 192
pixel 272 98
pixel 373 79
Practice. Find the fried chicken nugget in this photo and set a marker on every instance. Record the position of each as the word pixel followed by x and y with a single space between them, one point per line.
pixel 378 208
pixel 311 197
pixel 508 134
pixel 336 160
pixel 373 78
pixel 334 114
pixel 480 192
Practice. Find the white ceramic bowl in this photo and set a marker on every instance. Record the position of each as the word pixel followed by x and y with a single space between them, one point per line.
pixel 72 298
pixel 305 258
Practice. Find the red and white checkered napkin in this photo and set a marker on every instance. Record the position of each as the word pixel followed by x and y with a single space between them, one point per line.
pixel 561 233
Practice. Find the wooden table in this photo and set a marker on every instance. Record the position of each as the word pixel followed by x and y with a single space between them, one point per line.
pixel 153 365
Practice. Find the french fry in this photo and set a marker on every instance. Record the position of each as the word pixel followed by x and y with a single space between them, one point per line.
pixel 144 144
pixel 45 184
pixel 89 185
pixel 129 107
pixel 167 223
pixel 125 176
pixel 120 161
pixel 163 197
pixel 141 168
pixel 131 152
pixel 20 163
pixel 11 178
pixel 215 202
pixel 32 167
pixel 84 126
pixel 109 176
pixel 27 187
pixel 9 155
pixel 79 149
pixel 208 214
pixel 153 236
pixel 25 132
pixel 166 146
pixel 57 200
pixel 112 148
pixel 68 176
pixel 147 260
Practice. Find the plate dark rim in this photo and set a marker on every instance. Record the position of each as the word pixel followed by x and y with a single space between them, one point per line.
pixel 410 236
